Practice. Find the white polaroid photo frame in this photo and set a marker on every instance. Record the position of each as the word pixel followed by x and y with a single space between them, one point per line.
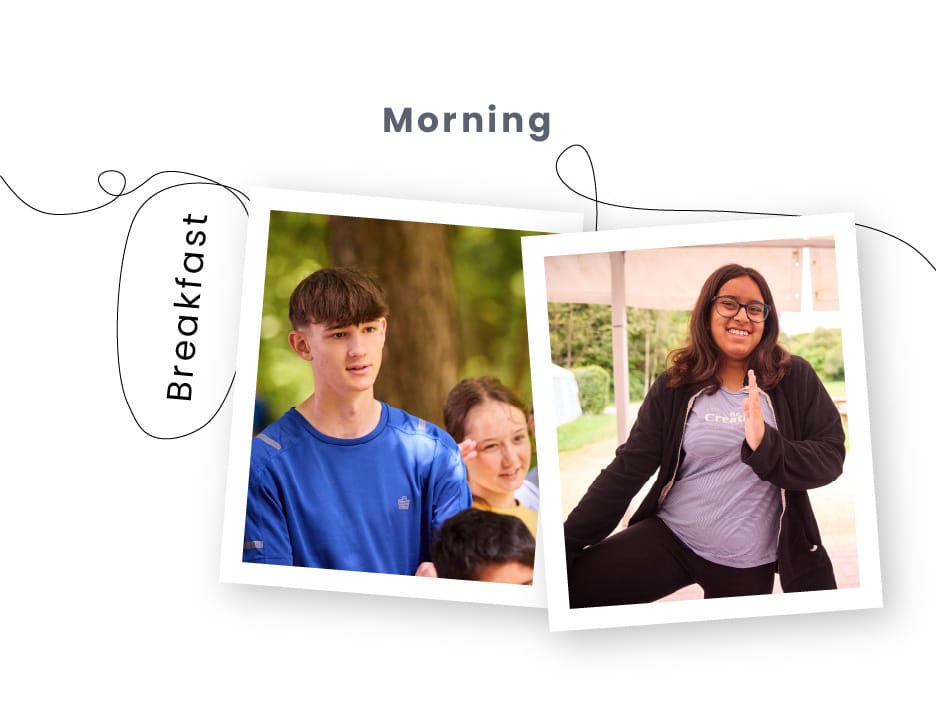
pixel 233 569
pixel 840 228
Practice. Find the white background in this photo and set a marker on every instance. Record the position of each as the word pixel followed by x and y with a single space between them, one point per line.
pixel 110 584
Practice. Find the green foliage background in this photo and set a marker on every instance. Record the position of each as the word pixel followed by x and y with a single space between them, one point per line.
pixel 594 384
pixel 822 348
pixel 580 335
pixel 488 277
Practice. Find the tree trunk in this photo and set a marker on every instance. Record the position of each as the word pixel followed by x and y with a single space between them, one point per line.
pixel 569 340
pixel 412 262
pixel 647 366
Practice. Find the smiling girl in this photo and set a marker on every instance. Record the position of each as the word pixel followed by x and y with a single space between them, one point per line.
pixel 489 423
pixel 737 430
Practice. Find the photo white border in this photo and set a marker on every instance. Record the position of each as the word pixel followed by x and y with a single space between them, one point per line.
pixel 233 570
pixel 842 228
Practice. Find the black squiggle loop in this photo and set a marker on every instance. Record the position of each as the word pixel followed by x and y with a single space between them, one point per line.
pixel 728 212
pixel 123 183
pixel 122 191
pixel 594 181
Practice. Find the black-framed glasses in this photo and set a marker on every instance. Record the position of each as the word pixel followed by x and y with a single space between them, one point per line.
pixel 727 306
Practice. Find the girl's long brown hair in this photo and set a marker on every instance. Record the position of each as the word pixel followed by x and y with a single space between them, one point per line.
pixel 699 361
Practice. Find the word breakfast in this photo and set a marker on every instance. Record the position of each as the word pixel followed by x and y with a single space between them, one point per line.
pixel 192 262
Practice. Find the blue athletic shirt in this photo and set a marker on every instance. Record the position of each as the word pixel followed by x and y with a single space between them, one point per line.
pixel 373 503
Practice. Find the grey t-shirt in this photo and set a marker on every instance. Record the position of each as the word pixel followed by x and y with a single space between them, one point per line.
pixel 718 506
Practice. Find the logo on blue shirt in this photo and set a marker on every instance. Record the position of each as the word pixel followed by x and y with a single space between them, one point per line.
pixel 403 503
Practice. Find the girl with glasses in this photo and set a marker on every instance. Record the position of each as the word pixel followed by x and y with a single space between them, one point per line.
pixel 739 430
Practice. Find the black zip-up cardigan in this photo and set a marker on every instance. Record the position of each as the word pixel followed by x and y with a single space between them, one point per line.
pixel 806 451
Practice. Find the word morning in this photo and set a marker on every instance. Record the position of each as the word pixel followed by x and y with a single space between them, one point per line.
pixel 537 122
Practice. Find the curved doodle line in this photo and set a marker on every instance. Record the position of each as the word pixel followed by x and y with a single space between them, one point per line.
pixel 902 241
pixel 666 209
pixel 204 180
pixel 120 283
pixel 122 192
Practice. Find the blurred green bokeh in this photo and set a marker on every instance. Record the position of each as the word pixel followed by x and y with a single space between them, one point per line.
pixel 488 279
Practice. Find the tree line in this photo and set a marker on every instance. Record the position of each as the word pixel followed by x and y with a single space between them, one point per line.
pixel 581 336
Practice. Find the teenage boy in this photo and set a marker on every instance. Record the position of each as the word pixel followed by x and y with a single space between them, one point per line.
pixel 342 480
pixel 478 545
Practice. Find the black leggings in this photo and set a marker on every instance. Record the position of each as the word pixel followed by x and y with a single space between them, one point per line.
pixel 646 562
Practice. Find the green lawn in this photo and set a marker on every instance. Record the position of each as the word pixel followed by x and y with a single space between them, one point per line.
pixel 585 430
